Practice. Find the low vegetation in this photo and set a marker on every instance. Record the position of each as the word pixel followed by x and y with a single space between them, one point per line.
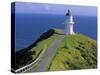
pixel 74 52
pixel 29 54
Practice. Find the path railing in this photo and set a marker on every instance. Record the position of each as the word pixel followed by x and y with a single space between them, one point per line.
pixel 27 67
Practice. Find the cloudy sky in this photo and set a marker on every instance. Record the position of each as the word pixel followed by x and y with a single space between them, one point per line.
pixel 42 8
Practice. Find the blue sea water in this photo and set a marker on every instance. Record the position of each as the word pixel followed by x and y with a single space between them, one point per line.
pixel 30 26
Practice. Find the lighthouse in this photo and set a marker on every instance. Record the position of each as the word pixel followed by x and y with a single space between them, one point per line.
pixel 69 23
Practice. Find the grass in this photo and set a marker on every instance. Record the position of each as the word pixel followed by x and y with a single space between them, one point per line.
pixel 74 52
pixel 31 53
pixel 47 42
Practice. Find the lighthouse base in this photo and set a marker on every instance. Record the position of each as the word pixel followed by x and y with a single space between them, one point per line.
pixel 70 33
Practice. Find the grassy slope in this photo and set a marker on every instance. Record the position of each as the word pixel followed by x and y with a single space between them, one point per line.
pixel 24 58
pixel 74 52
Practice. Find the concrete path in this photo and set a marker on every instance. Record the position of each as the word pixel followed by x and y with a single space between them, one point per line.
pixel 48 55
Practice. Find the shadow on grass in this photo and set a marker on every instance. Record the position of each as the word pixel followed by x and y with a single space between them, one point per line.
pixel 24 56
pixel 44 36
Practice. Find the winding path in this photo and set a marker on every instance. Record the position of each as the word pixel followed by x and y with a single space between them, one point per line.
pixel 50 52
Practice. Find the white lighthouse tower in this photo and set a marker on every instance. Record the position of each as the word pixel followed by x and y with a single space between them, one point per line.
pixel 69 23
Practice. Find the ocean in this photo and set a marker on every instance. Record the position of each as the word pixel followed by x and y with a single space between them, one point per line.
pixel 28 27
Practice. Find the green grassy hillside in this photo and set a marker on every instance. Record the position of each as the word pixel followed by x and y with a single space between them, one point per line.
pixel 74 52
pixel 30 53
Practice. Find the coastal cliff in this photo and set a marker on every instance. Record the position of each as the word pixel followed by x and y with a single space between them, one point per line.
pixel 74 52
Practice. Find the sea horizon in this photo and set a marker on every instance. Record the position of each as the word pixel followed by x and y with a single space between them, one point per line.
pixel 28 25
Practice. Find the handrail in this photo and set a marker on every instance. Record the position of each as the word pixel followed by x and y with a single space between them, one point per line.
pixel 25 68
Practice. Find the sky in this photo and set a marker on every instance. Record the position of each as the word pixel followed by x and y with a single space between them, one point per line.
pixel 44 8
